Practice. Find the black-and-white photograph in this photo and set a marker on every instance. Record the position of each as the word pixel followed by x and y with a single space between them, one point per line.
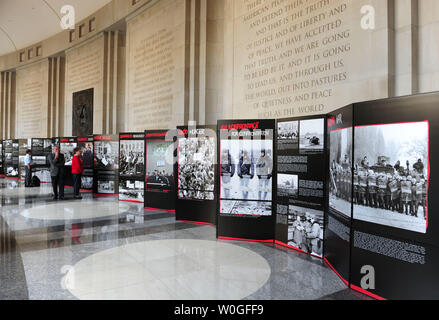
pixel 132 155
pixel 66 148
pixel 159 165
pixel 250 208
pixel 43 174
pixel 86 182
pixel 196 195
pixel 87 153
pixel 131 190
pixel 8 157
pixel 7 144
pixel 106 187
pixel 39 160
pixel 107 155
pixel 287 185
pixel 340 187
pixel 305 229
pixel 11 171
pixel 391 175
pixel 48 146
pixel 246 169
pixel 312 137
pixel 196 158
pixel 288 131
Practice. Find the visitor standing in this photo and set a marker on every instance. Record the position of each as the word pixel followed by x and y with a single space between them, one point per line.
pixel 77 170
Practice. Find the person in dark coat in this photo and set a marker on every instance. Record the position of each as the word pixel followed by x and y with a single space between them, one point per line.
pixel 57 162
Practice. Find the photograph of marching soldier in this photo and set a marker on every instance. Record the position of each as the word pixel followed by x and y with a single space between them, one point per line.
pixel 252 162
pixel 196 178
pixel 391 175
pixel 305 229
pixel 288 131
pixel 132 157
pixel 312 135
pixel 340 169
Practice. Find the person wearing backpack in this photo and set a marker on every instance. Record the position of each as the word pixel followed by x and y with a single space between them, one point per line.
pixel 77 170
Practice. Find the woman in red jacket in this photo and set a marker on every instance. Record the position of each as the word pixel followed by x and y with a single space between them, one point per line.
pixel 77 169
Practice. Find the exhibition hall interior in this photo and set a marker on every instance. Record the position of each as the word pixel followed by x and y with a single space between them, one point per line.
pixel 219 150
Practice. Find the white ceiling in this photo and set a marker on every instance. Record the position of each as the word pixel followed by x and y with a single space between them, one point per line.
pixel 25 22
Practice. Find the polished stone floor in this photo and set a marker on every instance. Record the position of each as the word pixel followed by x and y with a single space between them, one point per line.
pixel 102 249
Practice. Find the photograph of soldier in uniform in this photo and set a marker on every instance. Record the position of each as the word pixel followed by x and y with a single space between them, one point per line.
pixel 391 175
pixel 196 158
pixel 340 169
pixel 131 190
pixel 107 155
pixel 87 153
pixel 132 157
pixel 287 185
pixel 246 169
pixel 253 208
pixel 312 138
pixel 305 229
pixel 159 165
pixel 288 131
pixel 67 148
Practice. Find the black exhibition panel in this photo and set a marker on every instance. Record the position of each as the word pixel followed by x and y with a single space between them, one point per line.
pixel 246 179
pixel 106 165
pixel 337 235
pixel 132 166
pixel 302 166
pixel 195 174
pixel 396 231
pixel 2 173
pixel 66 147
pixel 41 148
pixel 86 145
pixel 159 170
pixel 23 146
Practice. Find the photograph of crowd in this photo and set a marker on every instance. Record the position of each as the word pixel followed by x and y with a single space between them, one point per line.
pixel 196 195
pixel 340 156
pixel 312 137
pixel 287 185
pixel 196 158
pixel 159 165
pixel 246 169
pixel 132 156
pixel 66 148
pixel 305 229
pixel 239 207
pixel 87 153
pixel 131 190
pixel 86 182
pixel 288 131
pixel 106 187
pixel 391 175
pixel 107 155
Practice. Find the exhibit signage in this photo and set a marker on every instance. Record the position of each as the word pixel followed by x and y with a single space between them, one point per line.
pixel 41 148
pixel 159 170
pixel 195 174
pixel 132 167
pixel 246 179
pixel 301 159
pixel 86 145
pixel 106 165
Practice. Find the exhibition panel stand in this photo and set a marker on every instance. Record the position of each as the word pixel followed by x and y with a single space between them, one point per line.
pixel 301 158
pixel 11 159
pixel 106 165
pixel 67 145
pixel 247 180
pixel 2 173
pixel 41 148
pixel 159 177
pixel 394 227
pixel 195 172
pixel 86 145
pixel 132 167
pixel 337 241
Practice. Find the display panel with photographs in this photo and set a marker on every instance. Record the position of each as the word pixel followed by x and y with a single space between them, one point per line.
pixel 67 145
pixel 159 165
pixel 196 176
pixel 1 159
pixel 340 172
pixel 391 175
pixel 106 165
pixel 301 166
pixel 11 158
pixel 132 155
